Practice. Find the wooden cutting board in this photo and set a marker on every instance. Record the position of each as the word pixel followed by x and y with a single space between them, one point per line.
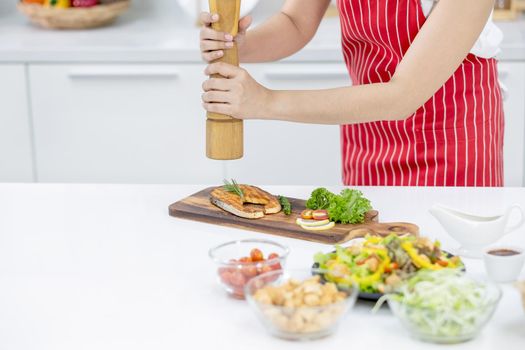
pixel 197 207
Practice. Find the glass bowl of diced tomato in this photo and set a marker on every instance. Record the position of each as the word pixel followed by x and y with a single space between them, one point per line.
pixel 239 261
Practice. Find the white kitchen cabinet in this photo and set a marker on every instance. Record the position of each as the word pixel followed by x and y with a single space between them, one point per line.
pixel 120 124
pixel 290 153
pixel 512 77
pixel 16 163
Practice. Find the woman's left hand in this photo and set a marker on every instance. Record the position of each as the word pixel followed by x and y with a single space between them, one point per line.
pixel 237 94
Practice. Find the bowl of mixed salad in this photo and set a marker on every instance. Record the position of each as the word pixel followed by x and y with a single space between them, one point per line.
pixel 380 264
pixel 444 306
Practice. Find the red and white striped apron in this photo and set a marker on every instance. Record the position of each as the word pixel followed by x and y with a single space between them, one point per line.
pixel 454 139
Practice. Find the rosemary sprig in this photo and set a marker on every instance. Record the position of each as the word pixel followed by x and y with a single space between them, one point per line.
pixel 234 188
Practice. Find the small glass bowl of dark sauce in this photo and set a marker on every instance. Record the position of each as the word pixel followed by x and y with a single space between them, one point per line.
pixel 504 264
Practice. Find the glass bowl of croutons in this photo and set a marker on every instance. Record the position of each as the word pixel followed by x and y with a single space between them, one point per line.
pixel 239 261
pixel 298 304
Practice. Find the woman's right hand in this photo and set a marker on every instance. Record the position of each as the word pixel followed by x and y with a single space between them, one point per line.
pixel 212 43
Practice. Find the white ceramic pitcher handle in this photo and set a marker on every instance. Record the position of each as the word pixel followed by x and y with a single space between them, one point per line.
pixel 520 222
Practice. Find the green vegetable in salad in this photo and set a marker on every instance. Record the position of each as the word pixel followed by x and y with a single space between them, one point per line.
pixel 443 305
pixel 379 264
pixel 349 207
pixel 287 206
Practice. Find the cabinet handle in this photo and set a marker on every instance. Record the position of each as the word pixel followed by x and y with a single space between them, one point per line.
pixel 338 74
pixel 123 73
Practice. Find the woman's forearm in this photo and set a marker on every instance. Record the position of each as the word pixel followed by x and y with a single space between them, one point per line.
pixel 346 105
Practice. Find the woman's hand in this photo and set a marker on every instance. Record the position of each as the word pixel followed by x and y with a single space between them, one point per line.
pixel 212 43
pixel 237 94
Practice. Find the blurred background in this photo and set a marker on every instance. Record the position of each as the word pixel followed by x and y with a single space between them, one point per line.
pixel 121 103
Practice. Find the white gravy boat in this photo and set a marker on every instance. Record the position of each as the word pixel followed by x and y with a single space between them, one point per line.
pixel 475 232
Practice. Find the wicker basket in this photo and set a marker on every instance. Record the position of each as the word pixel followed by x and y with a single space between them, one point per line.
pixel 73 18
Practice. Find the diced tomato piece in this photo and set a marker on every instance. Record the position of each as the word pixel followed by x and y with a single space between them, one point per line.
pixel 237 279
pixel 245 259
pixel 225 276
pixel 276 265
pixel 238 292
pixel 306 214
pixel 320 214
pixel 443 263
pixel 266 268
pixel 249 271
pixel 273 256
pixel 256 255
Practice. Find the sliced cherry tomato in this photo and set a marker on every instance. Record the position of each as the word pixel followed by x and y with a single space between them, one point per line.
pixel 307 214
pixel 226 276
pixel 320 214
pixel 256 255
pixel 238 292
pixel 273 256
pixel 277 265
pixel 245 259
pixel 249 271
pixel 266 268
pixel 237 279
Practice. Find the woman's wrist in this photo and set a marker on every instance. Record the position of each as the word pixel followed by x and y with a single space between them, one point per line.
pixel 267 107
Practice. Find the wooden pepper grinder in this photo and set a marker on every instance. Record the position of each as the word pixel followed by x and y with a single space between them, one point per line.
pixel 224 134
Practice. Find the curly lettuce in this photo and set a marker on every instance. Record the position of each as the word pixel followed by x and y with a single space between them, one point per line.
pixel 349 207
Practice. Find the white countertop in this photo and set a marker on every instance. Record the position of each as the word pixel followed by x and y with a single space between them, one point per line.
pixel 105 267
pixel 158 31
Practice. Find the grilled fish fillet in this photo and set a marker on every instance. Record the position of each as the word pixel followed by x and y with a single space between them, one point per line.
pixel 232 203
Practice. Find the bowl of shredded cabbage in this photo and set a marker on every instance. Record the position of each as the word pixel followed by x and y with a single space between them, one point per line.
pixel 444 306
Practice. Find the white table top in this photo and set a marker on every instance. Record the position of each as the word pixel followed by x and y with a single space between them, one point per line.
pixel 105 267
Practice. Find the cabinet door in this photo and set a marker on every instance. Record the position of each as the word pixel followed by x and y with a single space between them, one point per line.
pixel 15 133
pixel 120 123
pixel 290 153
pixel 512 77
